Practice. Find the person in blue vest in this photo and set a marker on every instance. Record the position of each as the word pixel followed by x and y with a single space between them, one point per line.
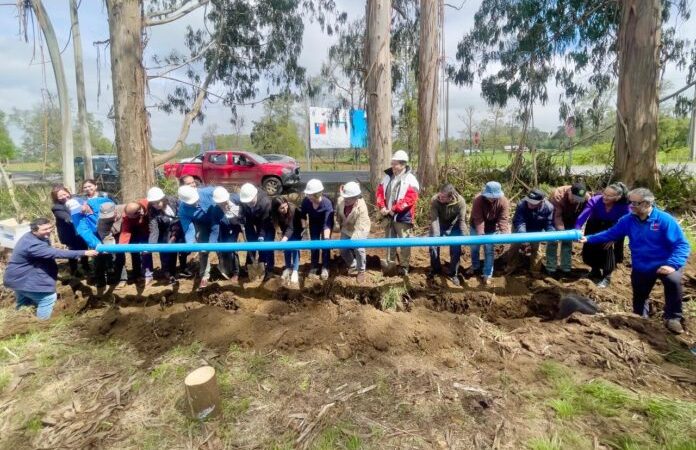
pixel 32 271
pixel 255 212
pixel 196 218
pixel 227 215
pixel 534 213
pixel 659 250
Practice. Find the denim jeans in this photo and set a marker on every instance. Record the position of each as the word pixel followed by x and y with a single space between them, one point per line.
pixel 43 301
pixel 552 256
pixel 351 255
pixel 643 283
pixel 317 234
pixel 488 256
pixel 455 254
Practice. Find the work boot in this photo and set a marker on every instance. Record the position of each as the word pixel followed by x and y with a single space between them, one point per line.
pixel 324 274
pixel 294 277
pixel 674 325
pixel 286 274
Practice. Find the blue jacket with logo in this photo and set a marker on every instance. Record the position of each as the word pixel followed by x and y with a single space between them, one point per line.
pixel 86 224
pixel 654 242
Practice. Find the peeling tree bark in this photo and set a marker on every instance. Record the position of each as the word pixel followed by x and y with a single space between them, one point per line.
pixel 80 84
pixel 63 98
pixel 637 104
pixel 428 68
pixel 378 87
pixel 132 125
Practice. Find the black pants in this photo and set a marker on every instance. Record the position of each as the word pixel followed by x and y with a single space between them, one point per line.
pixel 110 268
pixel 643 283
pixel 73 264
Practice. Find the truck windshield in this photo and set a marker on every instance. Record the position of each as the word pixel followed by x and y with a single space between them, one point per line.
pixel 257 158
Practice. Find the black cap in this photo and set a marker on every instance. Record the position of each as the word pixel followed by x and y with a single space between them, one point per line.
pixel 578 189
pixel 536 195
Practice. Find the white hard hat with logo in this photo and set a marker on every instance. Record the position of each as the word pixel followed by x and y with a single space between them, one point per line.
pixel 400 155
pixel 155 194
pixel 247 193
pixel 188 194
pixel 314 186
pixel 350 190
pixel 220 195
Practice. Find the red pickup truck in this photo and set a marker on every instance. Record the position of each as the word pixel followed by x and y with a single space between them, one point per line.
pixel 232 167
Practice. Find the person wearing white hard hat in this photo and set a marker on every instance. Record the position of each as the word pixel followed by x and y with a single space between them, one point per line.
pixel 397 195
pixel 196 218
pixel 165 228
pixel 255 209
pixel 288 219
pixel 353 221
pixel 318 216
pixel 227 215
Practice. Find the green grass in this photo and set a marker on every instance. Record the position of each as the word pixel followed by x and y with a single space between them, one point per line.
pixel 545 443
pixel 392 298
pixel 337 437
pixel 663 422
pixel 35 166
pixel 5 379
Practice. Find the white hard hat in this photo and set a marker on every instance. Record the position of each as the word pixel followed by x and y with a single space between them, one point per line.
pixel 220 195
pixel 155 194
pixel 314 186
pixel 188 194
pixel 247 193
pixel 350 190
pixel 400 155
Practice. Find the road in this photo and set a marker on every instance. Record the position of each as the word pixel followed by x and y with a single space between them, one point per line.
pixel 328 177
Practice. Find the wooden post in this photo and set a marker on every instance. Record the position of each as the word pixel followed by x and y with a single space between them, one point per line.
pixel 202 393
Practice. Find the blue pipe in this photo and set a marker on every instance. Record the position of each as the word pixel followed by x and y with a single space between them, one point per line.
pixel 426 241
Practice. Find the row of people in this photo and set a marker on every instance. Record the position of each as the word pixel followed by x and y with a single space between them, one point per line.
pixel 212 214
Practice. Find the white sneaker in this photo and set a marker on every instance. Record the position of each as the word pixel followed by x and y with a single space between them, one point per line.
pixel 324 274
pixel 286 274
pixel 295 277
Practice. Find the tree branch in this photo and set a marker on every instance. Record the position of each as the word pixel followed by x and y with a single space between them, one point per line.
pixel 674 94
pixel 163 17
pixel 179 66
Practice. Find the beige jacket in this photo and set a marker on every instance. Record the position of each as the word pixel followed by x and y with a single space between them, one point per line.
pixel 357 224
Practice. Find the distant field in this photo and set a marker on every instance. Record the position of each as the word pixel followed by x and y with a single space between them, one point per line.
pixel 31 167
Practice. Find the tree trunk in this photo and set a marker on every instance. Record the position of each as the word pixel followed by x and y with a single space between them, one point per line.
pixel 81 99
pixel 428 69
pixel 63 98
pixel 131 122
pixel 378 87
pixel 637 104
pixel 202 393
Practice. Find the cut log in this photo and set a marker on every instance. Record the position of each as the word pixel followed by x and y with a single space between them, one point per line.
pixel 202 393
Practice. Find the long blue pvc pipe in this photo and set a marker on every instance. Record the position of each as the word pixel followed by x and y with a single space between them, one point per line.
pixel 568 235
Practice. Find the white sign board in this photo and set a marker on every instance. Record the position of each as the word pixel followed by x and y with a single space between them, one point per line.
pixel 329 128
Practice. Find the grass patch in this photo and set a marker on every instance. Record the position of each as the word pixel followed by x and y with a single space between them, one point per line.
pixel 5 379
pixel 545 443
pixel 337 437
pixel 664 423
pixel 392 298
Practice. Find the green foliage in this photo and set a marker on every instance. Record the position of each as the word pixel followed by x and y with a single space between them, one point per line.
pixel 276 132
pixel 34 199
pixel 392 298
pixel 598 154
pixel 7 147
pixel 545 443
pixel 673 133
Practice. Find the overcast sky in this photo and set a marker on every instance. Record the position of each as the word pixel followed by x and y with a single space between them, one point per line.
pixel 21 79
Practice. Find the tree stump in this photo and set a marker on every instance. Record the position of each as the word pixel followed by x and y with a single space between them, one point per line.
pixel 202 393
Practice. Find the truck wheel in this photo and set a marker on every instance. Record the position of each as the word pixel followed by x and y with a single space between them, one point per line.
pixel 272 186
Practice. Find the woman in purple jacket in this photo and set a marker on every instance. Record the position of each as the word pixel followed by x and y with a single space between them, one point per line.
pixel 32 271
pixel 601 213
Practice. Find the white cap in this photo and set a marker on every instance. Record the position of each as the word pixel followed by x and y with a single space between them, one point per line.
pixel 247 193
pixel 350 190
pixel 400 155
pixel 188 194
pixel 220 195
pixel 155 194
pixel 314 186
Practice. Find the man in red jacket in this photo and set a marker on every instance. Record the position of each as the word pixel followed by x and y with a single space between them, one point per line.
pixel 135 229
pixel 397 195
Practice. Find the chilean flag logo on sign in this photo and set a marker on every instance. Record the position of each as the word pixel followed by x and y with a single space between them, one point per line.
pixel 655 226
pixel 319 128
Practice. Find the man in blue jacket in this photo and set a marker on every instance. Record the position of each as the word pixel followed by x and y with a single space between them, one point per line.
pixel 197 222
pixel 534 213
pixel 32 271
pixel 659 249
